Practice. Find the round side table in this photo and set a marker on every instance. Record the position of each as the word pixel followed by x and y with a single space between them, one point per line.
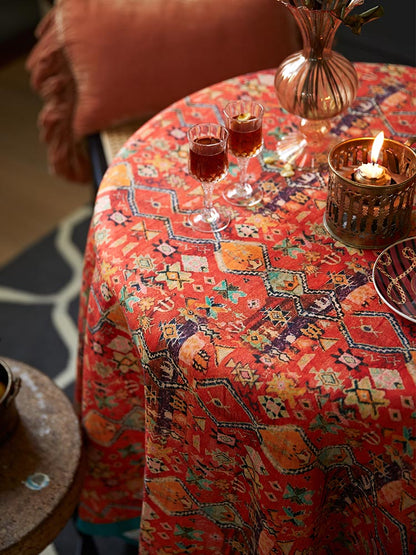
pixel 40 465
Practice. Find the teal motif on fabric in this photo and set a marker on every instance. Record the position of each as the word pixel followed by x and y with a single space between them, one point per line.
pixel 229 291
pixel 211 308
pixel 293 516
pixel 128 299
pixel 301 496
pixel 288 282
pixel 288 249
pixel 327 427
pixel 223 514
pixel 201 482
pixel 189 534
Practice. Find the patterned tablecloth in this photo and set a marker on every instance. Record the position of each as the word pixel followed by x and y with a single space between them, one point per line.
pixel 244 392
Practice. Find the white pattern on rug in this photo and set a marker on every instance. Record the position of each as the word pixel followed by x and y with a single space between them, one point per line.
pixel 61 300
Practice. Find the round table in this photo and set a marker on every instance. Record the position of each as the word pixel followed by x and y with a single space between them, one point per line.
pixel 41 465
pixel 244 391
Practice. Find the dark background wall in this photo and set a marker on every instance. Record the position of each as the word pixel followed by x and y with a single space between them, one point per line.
pixel 18 19
pixel 17 16
pixel 392 38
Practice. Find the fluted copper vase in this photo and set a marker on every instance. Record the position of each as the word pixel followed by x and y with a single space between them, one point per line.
pixel 316 84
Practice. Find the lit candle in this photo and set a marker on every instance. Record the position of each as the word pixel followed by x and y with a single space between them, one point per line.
pixel 372 172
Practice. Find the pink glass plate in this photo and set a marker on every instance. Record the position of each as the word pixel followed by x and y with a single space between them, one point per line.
pixel 394 277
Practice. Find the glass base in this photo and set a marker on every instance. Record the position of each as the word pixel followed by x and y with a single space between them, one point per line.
pixel 240 196
pixel 209 221
pixel 308 147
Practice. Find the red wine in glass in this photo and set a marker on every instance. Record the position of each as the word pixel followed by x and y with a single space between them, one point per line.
pixel 208 161
pixel 208 164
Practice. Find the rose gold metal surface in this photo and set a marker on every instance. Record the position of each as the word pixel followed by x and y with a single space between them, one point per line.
pixel 370 215
pixel 8 413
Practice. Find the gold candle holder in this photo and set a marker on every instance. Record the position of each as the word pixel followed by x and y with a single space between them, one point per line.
pixel 370 213
pixel 9 416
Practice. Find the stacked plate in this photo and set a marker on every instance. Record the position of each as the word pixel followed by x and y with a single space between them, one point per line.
pixel 394 277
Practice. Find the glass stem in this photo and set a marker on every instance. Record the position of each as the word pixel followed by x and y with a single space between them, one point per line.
pixel 244 187
pixel 314 130
pixel 210 212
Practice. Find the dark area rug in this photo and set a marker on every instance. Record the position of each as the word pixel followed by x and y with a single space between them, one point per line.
pixel 39 296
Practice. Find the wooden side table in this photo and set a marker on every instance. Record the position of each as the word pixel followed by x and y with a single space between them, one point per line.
pixel 40 465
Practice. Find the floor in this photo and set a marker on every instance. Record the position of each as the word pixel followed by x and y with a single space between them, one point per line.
pixel 32 201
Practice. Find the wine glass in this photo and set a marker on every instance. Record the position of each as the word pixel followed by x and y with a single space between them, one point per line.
pixel 243 119
pixel 208 163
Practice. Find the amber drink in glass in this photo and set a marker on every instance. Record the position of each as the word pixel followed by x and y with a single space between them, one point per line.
pixel 243 120
pixel 208 161
pixel 208 164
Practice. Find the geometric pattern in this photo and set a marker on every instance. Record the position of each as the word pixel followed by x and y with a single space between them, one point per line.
pixel 245 391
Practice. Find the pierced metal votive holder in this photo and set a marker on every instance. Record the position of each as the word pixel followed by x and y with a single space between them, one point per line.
pixel 10 386
pixel 370 215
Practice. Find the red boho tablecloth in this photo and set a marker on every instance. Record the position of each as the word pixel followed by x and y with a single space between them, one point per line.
pixel 244 392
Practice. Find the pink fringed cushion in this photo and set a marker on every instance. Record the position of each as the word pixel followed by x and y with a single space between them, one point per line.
pixel 52 78
pixel 131 58
pixel 135 57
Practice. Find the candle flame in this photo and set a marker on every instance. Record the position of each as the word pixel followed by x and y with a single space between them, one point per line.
pixel 377 144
